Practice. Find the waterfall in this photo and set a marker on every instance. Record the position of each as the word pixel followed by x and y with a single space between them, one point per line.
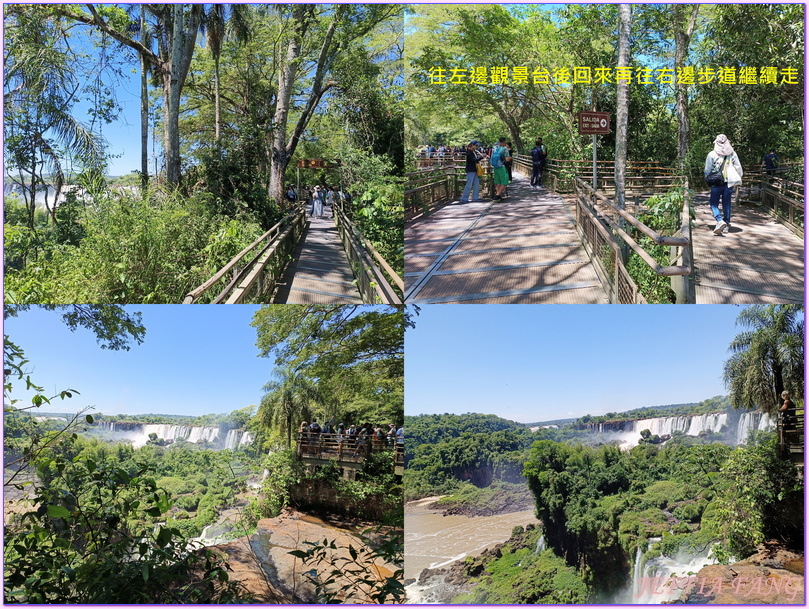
pixel 658 582
pixel 541 547
pixel 637 573
pixel 232 439
pixel 753 420
pixel 138 433
pixel 627 433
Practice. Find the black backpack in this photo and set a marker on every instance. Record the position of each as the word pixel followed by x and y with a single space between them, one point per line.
pixel 536 154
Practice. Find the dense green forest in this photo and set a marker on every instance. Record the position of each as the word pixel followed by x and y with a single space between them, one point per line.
pixel 705 52
pixel 231 97
pixel 95 519
pixel 599 505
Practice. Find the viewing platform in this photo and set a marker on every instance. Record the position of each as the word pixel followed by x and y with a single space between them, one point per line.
pixel 349 452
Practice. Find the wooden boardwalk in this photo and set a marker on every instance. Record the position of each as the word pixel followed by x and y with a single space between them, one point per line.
pixel 760 261
pixel 521 250
pixel 319 272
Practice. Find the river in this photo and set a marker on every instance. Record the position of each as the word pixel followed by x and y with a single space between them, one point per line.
pixel 433 540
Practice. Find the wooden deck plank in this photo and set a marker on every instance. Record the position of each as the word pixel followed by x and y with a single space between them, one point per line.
pixel 319 272
pixel 760 261
pixel 523 249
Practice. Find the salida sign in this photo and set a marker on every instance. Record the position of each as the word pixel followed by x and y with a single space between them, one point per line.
pixel 593 123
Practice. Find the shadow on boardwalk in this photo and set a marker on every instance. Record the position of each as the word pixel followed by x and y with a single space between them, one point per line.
pixel 319 272
pixel 760 261
pixel 520 250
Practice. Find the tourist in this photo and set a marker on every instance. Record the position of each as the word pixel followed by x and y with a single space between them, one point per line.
pixel 362 437
pixel 472 181
pixel 500 157
pixel 391 435
pixel 771 163
pixel 291 195
pixel 317 202
pixel 400 435
pixel 510 163
pixel 722 160
pixel 538 155
pixel 340 439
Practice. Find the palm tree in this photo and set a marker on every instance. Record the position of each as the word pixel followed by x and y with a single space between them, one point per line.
pixel 217 26
pixel 289 396
pixel 768 358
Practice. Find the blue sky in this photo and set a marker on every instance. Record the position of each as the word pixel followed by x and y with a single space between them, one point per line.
pixel 538 362
pixel 194 360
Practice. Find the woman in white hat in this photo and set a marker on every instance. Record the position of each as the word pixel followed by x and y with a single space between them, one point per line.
pixel 723 159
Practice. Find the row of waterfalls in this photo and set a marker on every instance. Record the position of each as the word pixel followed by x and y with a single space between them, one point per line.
pixel 737 430
pixel 138 434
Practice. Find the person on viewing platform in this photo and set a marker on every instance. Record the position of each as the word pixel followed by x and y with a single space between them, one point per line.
pixel 510 164
pixel 473 157
pixel 770 162
pixel 538 155
pixel 500 157
pixel 723 159
pixel 391 435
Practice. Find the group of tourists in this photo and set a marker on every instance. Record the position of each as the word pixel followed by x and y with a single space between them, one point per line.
pixel 723 171
pixel 501 159
pixel 428 151
pixel 353 439
pixel 318 198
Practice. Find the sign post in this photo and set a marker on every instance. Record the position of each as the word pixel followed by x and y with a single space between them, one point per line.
pixel 594 123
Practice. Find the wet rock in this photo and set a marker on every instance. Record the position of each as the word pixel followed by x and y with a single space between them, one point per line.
pixel 772 576
pixel 264 564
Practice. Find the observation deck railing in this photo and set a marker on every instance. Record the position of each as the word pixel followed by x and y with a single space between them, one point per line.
pixel 791 434
pixel 347 450
pixel 372 281
pixel 601 226
pixel 253 272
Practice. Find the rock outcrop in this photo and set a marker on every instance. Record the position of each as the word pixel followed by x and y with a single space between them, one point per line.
pixel 263 563
pixel 771 576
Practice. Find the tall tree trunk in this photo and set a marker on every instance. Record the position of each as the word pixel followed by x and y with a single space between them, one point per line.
pixel 173 127
pixel 682 38
pixel 622 112
pixel 286 78
pixel 144 109
pixel 218 118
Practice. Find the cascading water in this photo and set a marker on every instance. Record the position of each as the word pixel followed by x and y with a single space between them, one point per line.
pixel 138 433
pixel 662 578
pixel 541 547
pixel 628 432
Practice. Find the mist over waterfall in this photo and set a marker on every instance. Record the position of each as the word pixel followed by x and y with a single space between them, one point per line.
pixel 627 433
pixel 652 584
pixel 138 434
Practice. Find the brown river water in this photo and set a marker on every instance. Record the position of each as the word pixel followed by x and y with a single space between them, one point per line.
pixel 433 540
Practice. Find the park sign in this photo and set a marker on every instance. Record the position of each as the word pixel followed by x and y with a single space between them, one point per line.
pixel 593 123
pixel 318 164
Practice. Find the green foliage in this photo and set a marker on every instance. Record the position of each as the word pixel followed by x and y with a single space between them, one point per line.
pixel 135 249
pixel 355 355
pixel 356 578
pixel 92 540
pixel 760 496
pixel 516 575
pixel 379 214
pixel 766 358
pixel 284 472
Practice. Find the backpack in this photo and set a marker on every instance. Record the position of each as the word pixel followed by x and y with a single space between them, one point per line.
pixel 497 161
pixel 536 154
pixel 314 428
